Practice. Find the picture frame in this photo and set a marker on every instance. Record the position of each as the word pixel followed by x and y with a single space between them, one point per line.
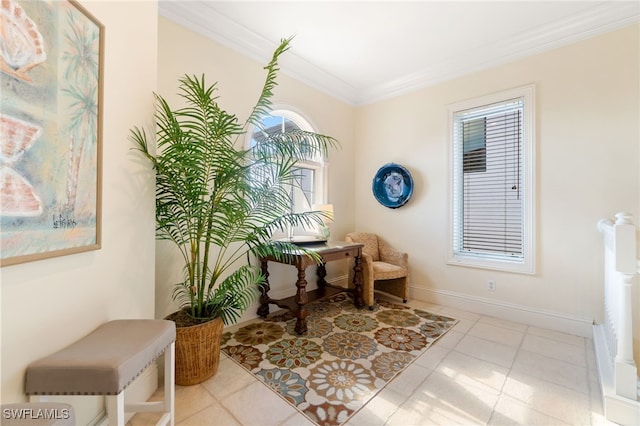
pixel 51 72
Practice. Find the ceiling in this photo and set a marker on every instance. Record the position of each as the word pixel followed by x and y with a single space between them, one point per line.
pixel 365 51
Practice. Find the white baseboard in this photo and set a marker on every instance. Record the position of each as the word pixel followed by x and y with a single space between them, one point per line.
pixel 140 389
pixel 617 409
pixel 508 311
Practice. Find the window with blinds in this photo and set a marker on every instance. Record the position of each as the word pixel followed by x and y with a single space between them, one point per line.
pixel 491 179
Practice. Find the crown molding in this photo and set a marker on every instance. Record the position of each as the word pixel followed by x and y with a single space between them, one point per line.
pixel 201 17
pixel 599 20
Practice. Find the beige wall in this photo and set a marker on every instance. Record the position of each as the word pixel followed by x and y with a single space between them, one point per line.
pixel 587 168
pixel 240 81
pixel 48 304
pixel 587 148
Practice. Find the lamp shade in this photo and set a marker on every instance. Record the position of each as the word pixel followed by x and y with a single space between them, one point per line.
pixel 327 209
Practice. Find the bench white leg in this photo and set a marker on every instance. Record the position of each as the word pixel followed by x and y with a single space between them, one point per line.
pixel 169 382
pixel 115 409
pixel 38 398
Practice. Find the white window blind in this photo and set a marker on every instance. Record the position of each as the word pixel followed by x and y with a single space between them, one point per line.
pixel 489 140
pixel 492 181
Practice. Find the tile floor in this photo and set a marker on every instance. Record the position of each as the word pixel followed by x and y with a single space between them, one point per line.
pixel 483 371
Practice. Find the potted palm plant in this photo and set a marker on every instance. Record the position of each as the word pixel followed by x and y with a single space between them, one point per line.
pixel 220 203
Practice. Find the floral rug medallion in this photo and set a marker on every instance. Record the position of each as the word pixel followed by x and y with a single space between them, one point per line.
pixel 346 357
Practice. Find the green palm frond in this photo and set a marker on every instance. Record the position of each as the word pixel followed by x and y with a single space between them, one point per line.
pixel 263 105
pixel 235 294
pixel 219 203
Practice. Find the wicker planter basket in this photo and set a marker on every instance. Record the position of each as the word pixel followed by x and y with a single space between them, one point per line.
pixel 198 352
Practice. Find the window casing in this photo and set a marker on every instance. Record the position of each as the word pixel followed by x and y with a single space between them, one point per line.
pixel 492 181
pixel 312 173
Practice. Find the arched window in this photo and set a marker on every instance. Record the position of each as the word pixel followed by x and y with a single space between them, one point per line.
pixel 312 172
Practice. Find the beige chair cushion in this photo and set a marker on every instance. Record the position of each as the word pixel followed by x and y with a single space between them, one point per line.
pixel 103 362
pixel 387 271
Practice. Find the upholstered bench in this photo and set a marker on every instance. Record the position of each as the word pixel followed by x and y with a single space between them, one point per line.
pixel 105 362
pixel 37 414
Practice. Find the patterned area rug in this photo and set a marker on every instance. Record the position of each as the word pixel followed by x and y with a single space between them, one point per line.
pixel 346 357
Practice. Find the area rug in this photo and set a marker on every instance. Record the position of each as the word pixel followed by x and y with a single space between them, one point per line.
pixel 346 357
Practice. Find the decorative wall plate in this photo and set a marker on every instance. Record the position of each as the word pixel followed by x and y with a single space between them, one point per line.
pixel 392 185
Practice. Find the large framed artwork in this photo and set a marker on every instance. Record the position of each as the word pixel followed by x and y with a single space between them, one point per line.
pixel 51 67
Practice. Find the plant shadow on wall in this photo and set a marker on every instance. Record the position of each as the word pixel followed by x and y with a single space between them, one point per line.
pixel 220 202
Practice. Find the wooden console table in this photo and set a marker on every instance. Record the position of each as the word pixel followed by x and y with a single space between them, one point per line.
pixel 330 251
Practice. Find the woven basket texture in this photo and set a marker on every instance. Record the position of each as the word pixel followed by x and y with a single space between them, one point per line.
pixel 198 352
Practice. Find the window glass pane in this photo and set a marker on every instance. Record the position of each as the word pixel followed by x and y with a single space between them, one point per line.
pixel 309 172
pixel 474 145
pixel 303 196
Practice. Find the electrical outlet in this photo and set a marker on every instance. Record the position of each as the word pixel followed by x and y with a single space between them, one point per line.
pixel 491 285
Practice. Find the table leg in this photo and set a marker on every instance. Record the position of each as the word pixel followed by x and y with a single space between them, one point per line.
pixel 357 282
pixel 263 309
pixel 321 272
pixel 301 301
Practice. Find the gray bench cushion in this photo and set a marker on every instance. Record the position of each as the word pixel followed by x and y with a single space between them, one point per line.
pixel 102 363
pixel 38 414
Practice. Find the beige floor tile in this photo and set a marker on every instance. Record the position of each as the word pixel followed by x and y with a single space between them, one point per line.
pixel 297 419
pixel 449 340
pixel 459 314
pixel 556 335
pixel 552 370
pixel 550 399
pixel 573 354
pixel 378 411
pixel 501 335
pixel 463 325
pixel 510 412
pixel 258 405
pixel 229 378
pixel 214 414
pixel 487 350
pixel 432 357
pixel 190 400
pixel 443 401
pixel 466 370
pixel 498 322
pixel 409 379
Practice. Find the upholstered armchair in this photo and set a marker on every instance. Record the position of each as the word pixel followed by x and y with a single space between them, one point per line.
pixel 383 268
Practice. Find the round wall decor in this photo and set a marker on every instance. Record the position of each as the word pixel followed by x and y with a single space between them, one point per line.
pixel 392 185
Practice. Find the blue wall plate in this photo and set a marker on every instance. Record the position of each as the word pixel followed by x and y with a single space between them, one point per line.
pixel 392 185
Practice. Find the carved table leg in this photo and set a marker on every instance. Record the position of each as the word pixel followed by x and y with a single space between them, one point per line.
pixel 321 272
pixel 301 301
pixel 357 282
pixel 263 309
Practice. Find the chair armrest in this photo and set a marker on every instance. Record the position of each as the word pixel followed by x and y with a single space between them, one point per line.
pixel 367 265
pixel 392 256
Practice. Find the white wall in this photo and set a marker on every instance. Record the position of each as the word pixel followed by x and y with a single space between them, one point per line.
pixel 587 168
pixel 240 81
pixel 48 304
